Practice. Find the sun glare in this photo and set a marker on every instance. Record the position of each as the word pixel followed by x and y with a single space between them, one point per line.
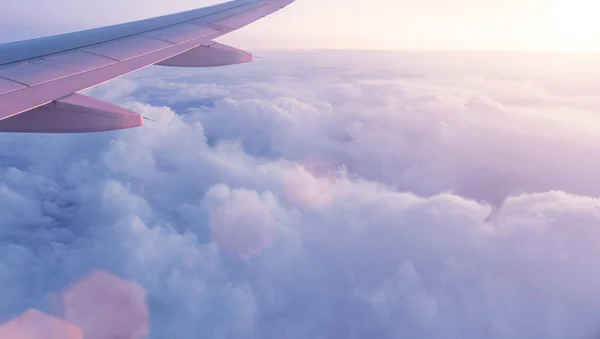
pixel 575 24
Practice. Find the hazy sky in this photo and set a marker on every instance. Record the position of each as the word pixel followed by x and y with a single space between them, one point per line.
pixel 556 25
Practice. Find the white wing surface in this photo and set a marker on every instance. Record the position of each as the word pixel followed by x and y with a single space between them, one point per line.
pixel 40 78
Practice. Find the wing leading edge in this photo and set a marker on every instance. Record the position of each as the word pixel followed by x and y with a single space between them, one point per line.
pixel 39 78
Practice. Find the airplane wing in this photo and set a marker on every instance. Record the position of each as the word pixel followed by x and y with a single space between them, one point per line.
pixel 40 78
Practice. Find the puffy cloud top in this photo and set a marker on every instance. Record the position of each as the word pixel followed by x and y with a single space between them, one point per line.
pixel 325 195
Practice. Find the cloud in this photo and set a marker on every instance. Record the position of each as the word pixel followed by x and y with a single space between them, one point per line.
pixel 34 324
pixel 323 194
pixel 242 221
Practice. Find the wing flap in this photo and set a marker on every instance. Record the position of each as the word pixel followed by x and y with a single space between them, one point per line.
pixel 24 50
pixel 37 72
pixel 74 114
pixel 30 74
pixel 75 62
pixel 31 97
pixel 127 48
pixel 7 86
pixel 51 68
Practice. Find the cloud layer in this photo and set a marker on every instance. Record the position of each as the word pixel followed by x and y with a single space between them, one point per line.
pixel 326 195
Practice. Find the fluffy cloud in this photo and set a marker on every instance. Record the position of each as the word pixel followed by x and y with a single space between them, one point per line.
pixel 317 194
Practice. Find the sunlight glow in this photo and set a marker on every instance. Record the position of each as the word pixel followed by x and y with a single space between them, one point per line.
pixel 575 24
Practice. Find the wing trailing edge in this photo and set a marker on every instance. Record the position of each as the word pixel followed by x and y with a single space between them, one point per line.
pixel 39 78
pixel 213 55
pixel 74 114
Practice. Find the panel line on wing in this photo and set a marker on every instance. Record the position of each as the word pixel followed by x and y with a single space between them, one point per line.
pixel 180 33
pixel 15 81
pixel 50 71
pixel 159 39
pixel 126 36
pixel 124 49
pixel 98 55
pixel 32 97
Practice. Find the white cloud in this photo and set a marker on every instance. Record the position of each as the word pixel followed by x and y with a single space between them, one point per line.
pixel 242 222
pixel 328 197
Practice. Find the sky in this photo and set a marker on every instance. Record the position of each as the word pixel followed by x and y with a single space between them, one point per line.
pixel 513 25
pixel 312 194
pixel 318 193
